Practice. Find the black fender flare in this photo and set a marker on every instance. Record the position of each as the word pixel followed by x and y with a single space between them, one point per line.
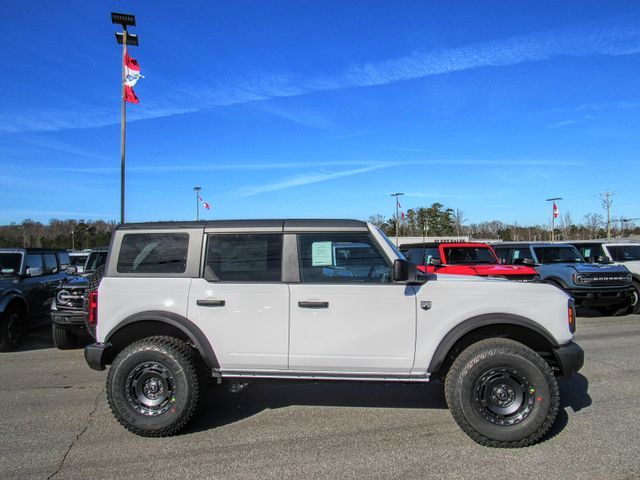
pixel 11 297
pixel 557 282
pixel 190 329
pixel 473 323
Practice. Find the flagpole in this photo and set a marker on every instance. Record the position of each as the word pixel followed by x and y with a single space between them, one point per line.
pixel 396 195
pixel 197 191
pixel 123 126
pixel 553 215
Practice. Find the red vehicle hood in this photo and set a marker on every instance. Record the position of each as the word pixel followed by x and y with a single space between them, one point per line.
pixel 482 270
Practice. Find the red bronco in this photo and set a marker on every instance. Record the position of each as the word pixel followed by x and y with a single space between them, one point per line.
pixel 462 258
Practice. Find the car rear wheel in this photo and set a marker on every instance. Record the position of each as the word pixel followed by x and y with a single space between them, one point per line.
pixel 154 386
pixel 12 327
pixel 502 393
pixel 63 338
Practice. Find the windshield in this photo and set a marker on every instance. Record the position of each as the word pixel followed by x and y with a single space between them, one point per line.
pixel 95 260
pixel 10 263
pixel 566 254
pixel 624 253
pixel 469 255
pixel 391 244
pixel 77 260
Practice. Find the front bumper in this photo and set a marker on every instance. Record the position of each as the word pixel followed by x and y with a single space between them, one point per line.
pixel 98 355
pixel 570 358
pixel 62 318
pixel 602 297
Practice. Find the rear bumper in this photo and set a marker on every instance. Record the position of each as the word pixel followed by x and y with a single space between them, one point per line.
pixel 98 355
pixel 602 297
pixel 570 358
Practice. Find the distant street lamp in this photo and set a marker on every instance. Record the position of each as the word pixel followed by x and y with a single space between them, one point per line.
pixel 197 191
pixel 553 216
pixel 123 38
pixel 396 195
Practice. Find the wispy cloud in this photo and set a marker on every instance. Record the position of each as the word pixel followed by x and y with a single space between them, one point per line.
pixel 563 123
pixel 304 179
pixel 618 36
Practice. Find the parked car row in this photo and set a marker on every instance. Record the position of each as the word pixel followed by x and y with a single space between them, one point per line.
pixel 34 283
pixel 584 269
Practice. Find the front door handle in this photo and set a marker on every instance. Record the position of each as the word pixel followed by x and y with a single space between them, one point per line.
pixel 313 304
pixel 210 303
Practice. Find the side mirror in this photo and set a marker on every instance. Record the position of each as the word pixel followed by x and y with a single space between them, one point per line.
pixel 528 261
pixel 72 270
pixel 435 262
pixel 603 259
pixel 404 271
pixel 34 271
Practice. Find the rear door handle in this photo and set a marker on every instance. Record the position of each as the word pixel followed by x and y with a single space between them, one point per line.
pixel 313 304
pixel 210 303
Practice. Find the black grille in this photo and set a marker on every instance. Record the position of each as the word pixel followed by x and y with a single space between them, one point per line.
pixel 608 279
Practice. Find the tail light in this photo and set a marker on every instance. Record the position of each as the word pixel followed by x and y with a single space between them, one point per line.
pixel 571 316
pixel 93 309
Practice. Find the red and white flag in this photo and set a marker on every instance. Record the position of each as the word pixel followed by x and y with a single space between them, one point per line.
pixel 556 212
pixel 204 204
pixel 131 77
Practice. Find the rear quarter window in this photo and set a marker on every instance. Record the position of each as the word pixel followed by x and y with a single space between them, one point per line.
pixel 153 253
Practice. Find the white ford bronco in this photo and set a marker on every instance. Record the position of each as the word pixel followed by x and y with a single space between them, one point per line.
pixel 186 302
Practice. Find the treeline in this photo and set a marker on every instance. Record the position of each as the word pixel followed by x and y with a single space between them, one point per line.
pixel 438 220
pixel 78 234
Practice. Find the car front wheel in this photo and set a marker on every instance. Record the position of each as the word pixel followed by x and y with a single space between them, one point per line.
pixel 502 393
pixel 11 328
pixel 154 386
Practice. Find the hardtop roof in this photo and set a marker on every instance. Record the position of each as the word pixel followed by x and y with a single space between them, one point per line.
pixel 283 224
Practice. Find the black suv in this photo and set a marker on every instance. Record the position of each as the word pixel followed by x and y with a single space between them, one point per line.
pixel 29 278
pixel 68 319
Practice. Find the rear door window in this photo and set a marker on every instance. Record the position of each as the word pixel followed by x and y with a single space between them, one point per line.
pixel 153 253
pixel 244 258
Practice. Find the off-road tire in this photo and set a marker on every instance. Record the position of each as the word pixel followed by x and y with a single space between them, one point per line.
pixel 63 338
pixel 12 328
pixel 468 391
pixel 635 308
pixel 178 367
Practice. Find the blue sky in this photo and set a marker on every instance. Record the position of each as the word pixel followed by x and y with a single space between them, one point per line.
pixel 322 109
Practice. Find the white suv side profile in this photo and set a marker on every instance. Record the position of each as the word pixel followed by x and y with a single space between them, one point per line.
pixel 182 302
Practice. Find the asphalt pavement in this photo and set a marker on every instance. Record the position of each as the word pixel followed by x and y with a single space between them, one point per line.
pixel 55 423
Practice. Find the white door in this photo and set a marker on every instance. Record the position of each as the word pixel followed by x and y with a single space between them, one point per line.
pixel 241 305
pixel 346 315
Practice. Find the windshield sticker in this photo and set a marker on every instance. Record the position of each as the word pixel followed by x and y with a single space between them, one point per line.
pixel 7 270
pixel 321 254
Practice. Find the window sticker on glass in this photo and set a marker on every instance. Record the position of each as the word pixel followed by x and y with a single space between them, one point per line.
pixel 321 254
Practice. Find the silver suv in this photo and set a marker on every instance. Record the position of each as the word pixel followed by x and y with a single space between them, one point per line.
pixel 232 301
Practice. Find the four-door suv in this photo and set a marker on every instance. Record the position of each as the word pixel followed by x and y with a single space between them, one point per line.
pixel 465 258
pixel 606 287
pixel 621 253
pixel 68 317
pixel 181 302
pixel 28 281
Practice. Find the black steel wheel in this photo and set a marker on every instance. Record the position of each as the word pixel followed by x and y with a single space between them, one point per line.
pixel 12 327
pixel 502 393
pixel 154 386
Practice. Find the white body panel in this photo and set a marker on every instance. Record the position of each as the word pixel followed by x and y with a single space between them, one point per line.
pixel 366 328
pixel 456 298
pixel 251 331
pixel 632 265
pixel 119 298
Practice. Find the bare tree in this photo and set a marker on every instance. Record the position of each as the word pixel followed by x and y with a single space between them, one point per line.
pixel 458 221
pixel 593 222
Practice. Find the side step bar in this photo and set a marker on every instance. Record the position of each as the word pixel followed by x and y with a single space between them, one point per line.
pixel 222 374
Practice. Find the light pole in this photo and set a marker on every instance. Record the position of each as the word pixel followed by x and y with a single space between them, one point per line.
pixel 399 194
pixel 197 191
pixel 553 215
pixel 73 240
pixel 123 38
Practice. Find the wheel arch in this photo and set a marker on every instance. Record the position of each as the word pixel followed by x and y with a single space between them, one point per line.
pixel 557 281
pixel 152 323
pixel 493 325
pixel 13 299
